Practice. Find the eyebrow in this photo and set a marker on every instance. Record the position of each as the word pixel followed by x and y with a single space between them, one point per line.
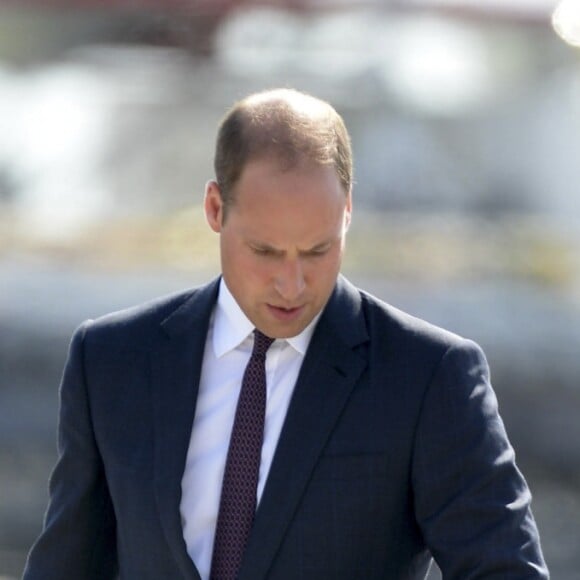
pixel 263 246
pixel 318 247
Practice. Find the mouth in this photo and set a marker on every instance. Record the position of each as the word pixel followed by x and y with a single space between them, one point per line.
pixel 285 314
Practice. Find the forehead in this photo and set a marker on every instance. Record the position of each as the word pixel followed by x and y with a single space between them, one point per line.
pixel 268 179
pixel 306 202
pixel 277 174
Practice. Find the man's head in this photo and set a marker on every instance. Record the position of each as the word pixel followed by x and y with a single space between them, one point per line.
pixel 281 204
pixel 283 125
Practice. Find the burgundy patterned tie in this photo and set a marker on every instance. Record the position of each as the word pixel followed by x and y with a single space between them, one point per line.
pixel 238 499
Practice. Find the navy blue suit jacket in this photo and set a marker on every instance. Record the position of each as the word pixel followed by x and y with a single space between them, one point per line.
pixel 392 450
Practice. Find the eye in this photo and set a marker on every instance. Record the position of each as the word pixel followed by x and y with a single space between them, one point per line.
pixel 261 251
pixel 317 252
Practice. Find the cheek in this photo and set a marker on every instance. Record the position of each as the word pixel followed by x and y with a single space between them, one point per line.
pixel 329 267
pixel 252 271
pixel 320 277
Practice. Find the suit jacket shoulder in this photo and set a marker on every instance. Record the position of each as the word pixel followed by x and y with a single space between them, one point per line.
pixel 380 315
pixel 136 327
pixel 386 334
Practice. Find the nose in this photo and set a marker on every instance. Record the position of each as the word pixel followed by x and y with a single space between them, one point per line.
pixel 290 281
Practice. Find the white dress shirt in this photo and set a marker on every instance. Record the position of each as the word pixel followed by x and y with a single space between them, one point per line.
pixel 228 347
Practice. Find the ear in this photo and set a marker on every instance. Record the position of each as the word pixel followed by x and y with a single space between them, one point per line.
pixel 213 206
pixel 348 212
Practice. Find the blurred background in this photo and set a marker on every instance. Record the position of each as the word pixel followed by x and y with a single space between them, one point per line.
pixel 465 119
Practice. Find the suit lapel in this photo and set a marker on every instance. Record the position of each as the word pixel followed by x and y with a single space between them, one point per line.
pixel 330 371
pixel 176 367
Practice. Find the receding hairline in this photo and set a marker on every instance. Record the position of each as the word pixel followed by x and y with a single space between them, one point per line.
pixel 286 126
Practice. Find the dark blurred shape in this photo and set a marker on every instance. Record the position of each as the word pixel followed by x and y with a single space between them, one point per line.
pixel 192 24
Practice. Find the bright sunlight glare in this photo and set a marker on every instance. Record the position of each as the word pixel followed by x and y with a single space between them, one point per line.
pixel 566 21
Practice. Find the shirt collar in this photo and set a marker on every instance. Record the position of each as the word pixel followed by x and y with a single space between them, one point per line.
pixel 231 326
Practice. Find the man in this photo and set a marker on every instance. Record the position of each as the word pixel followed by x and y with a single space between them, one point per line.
pixel 381 444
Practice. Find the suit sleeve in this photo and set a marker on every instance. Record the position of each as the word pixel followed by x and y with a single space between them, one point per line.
pixel 78 538
pixel 471 501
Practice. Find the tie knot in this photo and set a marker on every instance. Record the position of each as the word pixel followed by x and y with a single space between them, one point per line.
pixel 261 343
